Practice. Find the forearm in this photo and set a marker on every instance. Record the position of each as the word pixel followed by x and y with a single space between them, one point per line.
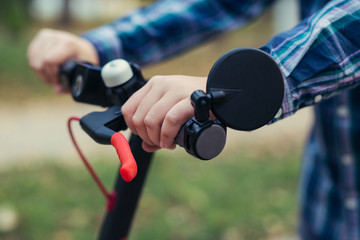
pixel 320 57
pixel 168 27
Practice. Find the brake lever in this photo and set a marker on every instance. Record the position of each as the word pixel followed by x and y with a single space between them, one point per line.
pixel 86 85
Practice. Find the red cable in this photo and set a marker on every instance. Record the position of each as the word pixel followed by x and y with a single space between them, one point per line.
pixel 111 197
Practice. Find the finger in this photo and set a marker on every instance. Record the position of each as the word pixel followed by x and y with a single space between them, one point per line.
pixel 36 62
pixel 38 49
pixel 49 46
pixel 129 108
pixel 44 67
pixel 144 107
pixel 46 53
pixel 149 148
pixel 52 61
pixel 50 71
pixel 156 115
pixel 59 88
pixel 174 119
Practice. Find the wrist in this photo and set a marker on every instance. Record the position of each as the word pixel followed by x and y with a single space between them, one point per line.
pixel 87 52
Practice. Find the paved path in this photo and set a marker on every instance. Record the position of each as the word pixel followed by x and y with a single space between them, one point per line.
pixel 37 130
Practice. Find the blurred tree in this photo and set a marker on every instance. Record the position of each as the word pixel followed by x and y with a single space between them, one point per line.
pixel 65 18
pixel 14 16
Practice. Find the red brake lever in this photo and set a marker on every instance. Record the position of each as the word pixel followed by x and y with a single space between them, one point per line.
pixel 128 169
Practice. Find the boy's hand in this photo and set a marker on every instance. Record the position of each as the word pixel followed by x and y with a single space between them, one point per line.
pixel 50 48
pixel 157 111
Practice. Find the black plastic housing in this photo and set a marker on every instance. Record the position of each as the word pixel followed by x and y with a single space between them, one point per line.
pixel 87 86
pixel 100 126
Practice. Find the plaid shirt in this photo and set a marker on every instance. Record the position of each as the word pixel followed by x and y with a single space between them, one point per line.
pixel 320 61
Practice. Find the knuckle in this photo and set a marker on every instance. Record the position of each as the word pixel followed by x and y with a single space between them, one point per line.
pixel 138 122
pixel 165 135
pixel 125 110
pixel 171 119
pixel 149 123
pixel 34 64
pixel 158 79
pixel 36 67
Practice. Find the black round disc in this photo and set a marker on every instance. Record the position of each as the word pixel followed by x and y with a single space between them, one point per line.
pixel 254 88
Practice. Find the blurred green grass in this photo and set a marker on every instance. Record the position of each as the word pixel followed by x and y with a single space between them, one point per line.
pixel 236 196
pixel 18 82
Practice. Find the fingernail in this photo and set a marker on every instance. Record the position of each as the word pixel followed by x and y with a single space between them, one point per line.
pixel 162 145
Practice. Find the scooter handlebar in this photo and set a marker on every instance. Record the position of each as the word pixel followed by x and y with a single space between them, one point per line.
pixel 111 86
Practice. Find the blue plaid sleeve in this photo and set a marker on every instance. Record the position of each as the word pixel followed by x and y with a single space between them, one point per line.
pixel 320 57
pixel 167 27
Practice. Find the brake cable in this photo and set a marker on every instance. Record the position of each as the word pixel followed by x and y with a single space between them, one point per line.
pixel 128 168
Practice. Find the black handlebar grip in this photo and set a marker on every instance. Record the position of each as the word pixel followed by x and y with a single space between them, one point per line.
pixel 66 73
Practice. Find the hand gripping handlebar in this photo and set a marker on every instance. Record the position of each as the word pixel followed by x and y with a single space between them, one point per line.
pixel 244 91
pixel 113 84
